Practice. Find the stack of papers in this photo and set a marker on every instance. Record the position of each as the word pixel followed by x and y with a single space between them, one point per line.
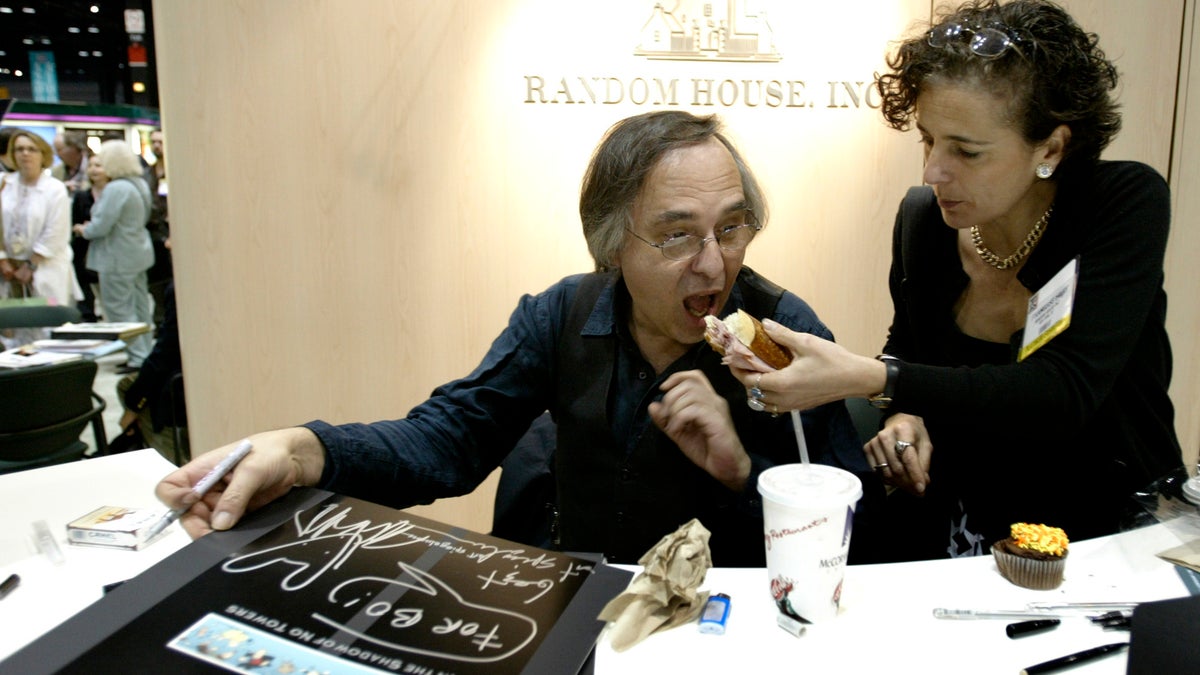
pixel 23 357
pixel 86 347
pixel 120 330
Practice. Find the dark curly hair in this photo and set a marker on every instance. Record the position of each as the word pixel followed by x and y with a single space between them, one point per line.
pixel 1055 73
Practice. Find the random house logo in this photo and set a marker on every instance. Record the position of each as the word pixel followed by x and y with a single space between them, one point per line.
pixel 739 35
pixel 695 31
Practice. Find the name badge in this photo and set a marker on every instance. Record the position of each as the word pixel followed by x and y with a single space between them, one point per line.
pixel 1050 309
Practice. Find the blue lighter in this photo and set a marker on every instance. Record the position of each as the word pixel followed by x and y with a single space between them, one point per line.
pixel 715 614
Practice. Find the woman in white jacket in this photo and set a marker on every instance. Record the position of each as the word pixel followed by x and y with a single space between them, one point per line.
pixel 36 257
pixel 120 250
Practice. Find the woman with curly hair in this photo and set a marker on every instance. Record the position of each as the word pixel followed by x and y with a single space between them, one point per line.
pixel 1025 373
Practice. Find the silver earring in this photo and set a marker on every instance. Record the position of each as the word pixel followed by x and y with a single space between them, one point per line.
pixel 1044 171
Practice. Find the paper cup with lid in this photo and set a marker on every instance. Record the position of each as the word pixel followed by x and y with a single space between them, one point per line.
pixel 808 516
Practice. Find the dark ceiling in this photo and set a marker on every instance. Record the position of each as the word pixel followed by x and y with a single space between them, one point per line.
pixel 88 39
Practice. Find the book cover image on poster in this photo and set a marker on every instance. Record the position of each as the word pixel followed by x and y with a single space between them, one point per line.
pixel 347 586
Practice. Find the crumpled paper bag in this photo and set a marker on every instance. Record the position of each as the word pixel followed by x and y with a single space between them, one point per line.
pixel 1187 555
pixel 664 594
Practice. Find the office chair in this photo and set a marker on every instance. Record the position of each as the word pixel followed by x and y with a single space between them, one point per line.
pixel 867 418
pixel 526 501
pixel 43 411
pixel 37 316
pixel 183 452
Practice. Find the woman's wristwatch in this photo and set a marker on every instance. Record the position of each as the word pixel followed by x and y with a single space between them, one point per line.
pixel 884 398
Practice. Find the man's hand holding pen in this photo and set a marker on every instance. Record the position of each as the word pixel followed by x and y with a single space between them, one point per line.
pixel 280 459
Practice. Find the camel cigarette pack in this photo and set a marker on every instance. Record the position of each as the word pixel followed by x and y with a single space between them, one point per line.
pixel 113 527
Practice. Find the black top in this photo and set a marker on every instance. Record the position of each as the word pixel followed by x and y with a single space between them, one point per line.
pixel 1065 436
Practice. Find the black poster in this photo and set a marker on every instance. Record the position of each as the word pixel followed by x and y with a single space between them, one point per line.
pixel 346 586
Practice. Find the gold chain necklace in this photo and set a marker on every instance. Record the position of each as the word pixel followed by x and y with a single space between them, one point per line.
pixel 1031 240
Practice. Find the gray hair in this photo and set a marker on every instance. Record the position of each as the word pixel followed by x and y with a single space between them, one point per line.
pixel 628 152
pixel 118 161
pixel 75 139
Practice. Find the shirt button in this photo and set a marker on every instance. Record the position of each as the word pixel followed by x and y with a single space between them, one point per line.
pixel 620 517
pixel 626 474
pixel 642 375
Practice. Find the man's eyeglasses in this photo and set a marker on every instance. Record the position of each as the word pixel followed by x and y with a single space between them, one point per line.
pixel 989 41
pixel 731 238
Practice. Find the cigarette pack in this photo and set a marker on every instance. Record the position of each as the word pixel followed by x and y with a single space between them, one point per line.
pixel 113 527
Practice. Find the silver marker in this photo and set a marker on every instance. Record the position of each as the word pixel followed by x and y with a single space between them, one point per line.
pixel 204 485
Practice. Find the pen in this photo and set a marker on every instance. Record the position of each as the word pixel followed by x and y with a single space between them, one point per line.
pixel 1027 628
pixel 210 479
pixel 9 585
pixel 943 613
pixel 1083 606
pixel 1072 659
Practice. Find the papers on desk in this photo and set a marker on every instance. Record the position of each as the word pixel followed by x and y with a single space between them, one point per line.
pixel 87 347
pixel 120 330
pixel 24 357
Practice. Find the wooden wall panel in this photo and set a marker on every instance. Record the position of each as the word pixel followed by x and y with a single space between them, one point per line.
pixel 361 192
pixel 1183 274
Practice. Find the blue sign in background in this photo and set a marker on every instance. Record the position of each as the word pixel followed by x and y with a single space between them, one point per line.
pixel 44 76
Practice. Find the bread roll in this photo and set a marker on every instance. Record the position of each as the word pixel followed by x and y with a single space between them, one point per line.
pixel 741 335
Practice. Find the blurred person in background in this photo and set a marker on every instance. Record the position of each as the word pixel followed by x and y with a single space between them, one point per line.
pixel 120 251
pixel 35 260
pixel 81 212
pixel 163 272
pixel 71 147
pixel 6 134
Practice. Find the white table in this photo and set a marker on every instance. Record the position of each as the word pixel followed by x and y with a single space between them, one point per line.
pixel 886 622
pixel 49 593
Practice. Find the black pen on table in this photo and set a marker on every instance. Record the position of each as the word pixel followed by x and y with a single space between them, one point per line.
pixel 203 485
pixel 10 584
pixel 1073 659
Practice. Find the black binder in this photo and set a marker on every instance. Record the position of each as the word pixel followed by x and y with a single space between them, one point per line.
pixel 1164 638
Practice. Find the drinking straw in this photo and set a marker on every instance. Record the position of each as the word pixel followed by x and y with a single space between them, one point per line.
pixel 800 442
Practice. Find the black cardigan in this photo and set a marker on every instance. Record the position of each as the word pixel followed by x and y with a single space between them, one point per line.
pixel 1065 436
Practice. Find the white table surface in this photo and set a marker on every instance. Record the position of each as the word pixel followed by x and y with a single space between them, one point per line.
pixel 49 594
pixel 886 621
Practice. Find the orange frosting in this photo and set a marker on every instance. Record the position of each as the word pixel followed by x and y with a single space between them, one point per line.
pixel 1049 540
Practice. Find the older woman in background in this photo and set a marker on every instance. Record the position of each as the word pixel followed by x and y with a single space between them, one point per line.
pixel 119 248
pixel 36 257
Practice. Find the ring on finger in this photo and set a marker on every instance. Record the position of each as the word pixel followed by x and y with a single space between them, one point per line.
pixel 755 402
pixel 901 446
pixel 880 466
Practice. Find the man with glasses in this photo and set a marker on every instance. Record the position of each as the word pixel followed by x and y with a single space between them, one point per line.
pixel 651 429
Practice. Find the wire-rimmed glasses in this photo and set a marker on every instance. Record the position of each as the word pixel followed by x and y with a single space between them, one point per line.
pixel 730 238
pixel 989 42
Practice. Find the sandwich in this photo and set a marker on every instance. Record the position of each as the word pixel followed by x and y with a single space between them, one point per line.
pixel 743 343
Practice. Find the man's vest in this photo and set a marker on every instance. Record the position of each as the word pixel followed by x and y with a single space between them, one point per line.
pixel 622 505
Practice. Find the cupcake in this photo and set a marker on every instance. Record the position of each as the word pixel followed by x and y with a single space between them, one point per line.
pixel 1033 557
